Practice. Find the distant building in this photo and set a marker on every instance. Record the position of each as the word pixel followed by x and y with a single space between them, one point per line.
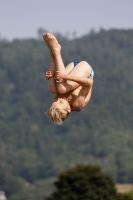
pixel 2 195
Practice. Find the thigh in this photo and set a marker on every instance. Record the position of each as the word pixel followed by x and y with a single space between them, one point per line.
pixel 69 68
pixel 82 69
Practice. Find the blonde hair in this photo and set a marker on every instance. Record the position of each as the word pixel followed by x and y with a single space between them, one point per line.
pixel 57 114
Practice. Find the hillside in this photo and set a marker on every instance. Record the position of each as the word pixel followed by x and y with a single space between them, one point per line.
pixel 32 148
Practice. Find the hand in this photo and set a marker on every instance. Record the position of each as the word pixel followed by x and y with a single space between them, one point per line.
pixel 60 77
pixel 49 74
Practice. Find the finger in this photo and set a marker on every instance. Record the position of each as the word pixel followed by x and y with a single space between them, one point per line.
pixel 49 73
pixel 58 81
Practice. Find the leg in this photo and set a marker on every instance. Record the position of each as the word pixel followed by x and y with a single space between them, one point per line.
pixel 56 51
pixel 52 60
pixel 52 83
pixel 82 69
pixel 69 68
pixel 77 76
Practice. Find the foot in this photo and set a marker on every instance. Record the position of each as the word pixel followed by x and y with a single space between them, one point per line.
pixel 44 35
pixel 51 42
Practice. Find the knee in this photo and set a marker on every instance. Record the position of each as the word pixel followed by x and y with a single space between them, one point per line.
pixel 53 90
pixel 86 66
pixel 61 90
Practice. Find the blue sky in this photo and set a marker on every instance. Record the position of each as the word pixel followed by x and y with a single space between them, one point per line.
pixel 22 19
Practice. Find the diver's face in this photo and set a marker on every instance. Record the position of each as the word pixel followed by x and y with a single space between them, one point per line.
pixel 61 103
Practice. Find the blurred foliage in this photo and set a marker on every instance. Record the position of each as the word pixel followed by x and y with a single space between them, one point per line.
pixel 32 147
pixel 124 196
pixel 84 182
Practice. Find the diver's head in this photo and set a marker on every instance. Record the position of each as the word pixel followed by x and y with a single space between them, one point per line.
pixel 59 110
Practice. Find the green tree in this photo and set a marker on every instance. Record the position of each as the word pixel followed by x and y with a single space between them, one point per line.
pixel 9 183
pixel 125 196
pixel 84 183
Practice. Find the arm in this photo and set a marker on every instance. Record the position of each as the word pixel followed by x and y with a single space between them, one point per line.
pixel 52 85
pixel 80 80
pixel 50 76
pixel 71 82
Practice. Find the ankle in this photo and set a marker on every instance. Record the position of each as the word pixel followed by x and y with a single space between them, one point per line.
pixel 56 52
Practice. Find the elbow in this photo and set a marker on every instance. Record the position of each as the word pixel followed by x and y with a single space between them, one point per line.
pixel 53 90
pixel 89 82
pixel 61 90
